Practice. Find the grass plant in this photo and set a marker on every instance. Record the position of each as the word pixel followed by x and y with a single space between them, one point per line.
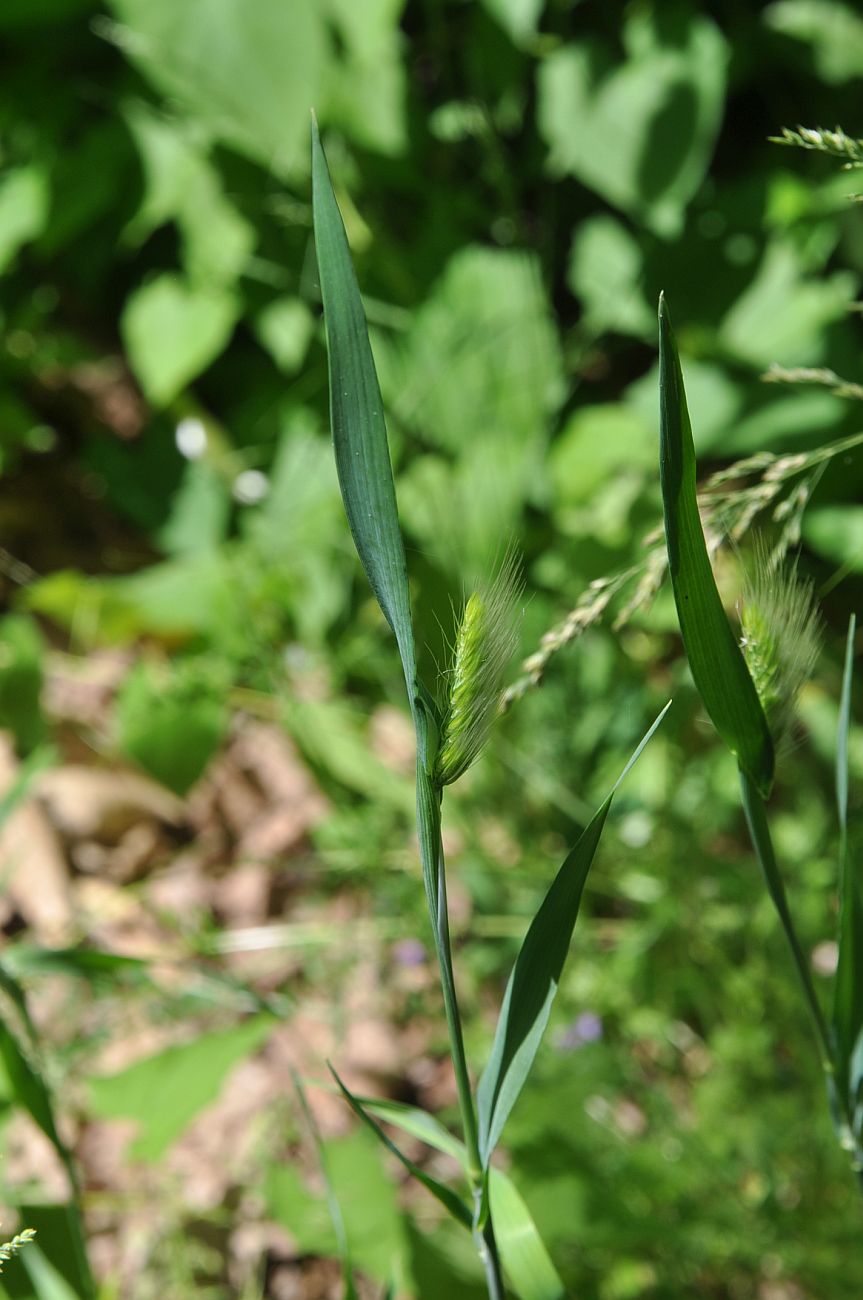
pixel 749 691
pixel 450 732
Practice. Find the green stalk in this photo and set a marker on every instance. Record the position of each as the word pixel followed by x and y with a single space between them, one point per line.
pixel 429 800
pixel 755 808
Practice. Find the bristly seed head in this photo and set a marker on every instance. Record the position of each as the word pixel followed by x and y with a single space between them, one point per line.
pixel 485 642
pixel 780 637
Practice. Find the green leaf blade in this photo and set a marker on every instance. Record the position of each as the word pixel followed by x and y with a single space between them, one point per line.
pixel 534 978
pixel 356 413
pixel 526 1261
pixel 848 989
pixel 532 986
pixel 718 667
pixel 451 1202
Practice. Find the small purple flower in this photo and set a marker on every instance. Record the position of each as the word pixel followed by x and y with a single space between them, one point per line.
pixel 586 1028
pixel 409 952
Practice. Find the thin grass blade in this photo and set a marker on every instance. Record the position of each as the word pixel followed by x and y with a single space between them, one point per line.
pixel 718 667
pixel 848 989
pixel 419 1124
pixel 524 1254
pixel 535 977
pixel 357 417
pixel 333 1206
pixel 451 1202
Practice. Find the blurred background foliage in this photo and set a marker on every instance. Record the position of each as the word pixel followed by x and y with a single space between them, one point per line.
pixel 519 179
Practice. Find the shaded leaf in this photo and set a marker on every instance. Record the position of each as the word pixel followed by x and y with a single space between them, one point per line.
pixel 638 131
pixel 717 664
pixel 173 331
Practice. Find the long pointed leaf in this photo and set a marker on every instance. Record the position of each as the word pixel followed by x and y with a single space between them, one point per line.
pixel 453 1204
pixel 356 413
pixel 718 667
pixel 527 1263
pixel 522 1250
pixel 535 977
pixel 848 989
pixel 333 1205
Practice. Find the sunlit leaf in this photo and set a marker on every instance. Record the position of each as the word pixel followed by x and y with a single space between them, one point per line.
pixel 533 983
pixel 528 1264
pixel 715 659
pixel 164 1092
pixel 356 413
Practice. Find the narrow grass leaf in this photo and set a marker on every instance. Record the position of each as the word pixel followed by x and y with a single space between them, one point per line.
pixel 526 1261
pixel 717 664
pixel 55 1265
pixel 356 413
pixel 418 1123
pixel 535 977
pixel 848 989
pixel 451 1202
pixel 333 1206
pixel 522 1249
pixel 29 1090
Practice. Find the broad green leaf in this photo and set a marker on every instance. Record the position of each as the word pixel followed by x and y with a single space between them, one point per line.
pixel 247 73
pixel 837 533
pixel 451 1202
pixel 171 721
pixel 782 314
pixel 534 979
pixel 848 989
pixel 519 18
pixel 639 131
pixel 200 512
pixel 365 92
pixel 164 1092
pixel 481 359
pixel 833 30
pixel 527 1262
pixel 22 651
pixel 285 327
pixel 715 659
pixel 356 413
pixel 24 201
pixel 173 330
pixel 182 185
pixel 606 272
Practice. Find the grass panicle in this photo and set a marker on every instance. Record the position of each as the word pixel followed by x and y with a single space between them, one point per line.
pixel 9 1249
pixel 780 637
pixel 485 642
